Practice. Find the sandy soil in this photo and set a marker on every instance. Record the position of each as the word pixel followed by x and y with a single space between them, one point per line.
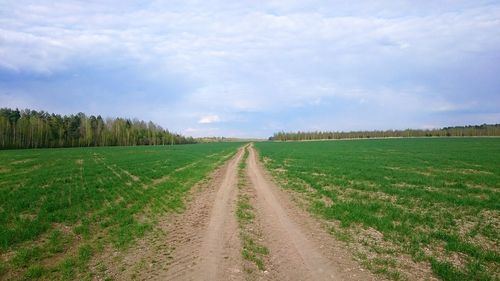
pixel 216 254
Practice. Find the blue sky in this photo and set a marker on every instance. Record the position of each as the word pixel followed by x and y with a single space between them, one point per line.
pixel 251 68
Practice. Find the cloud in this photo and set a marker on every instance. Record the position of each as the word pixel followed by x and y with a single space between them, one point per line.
pixel 265 61
pixel 208 119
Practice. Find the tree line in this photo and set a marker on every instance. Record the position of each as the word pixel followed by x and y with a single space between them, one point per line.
pixel 484 130
pixel 37 129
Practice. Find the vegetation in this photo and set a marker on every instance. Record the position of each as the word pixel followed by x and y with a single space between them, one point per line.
pixel 37 129
pixel 405 207
pixel 59 207
pixel 252 251
pixel 219 139
pixel 460 131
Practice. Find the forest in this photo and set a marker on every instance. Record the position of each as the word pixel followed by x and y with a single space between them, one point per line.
pixel 39 129
pixel 484 130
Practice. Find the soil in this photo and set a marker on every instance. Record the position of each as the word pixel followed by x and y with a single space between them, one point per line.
pixel 216 253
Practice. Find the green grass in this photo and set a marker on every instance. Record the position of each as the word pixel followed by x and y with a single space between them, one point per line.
pixel 59 206
pixel 436 201
pixel 252 250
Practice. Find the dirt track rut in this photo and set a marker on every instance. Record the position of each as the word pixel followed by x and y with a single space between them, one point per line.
pixel 216 254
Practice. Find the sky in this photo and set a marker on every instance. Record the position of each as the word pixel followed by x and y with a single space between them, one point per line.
pixel 251 68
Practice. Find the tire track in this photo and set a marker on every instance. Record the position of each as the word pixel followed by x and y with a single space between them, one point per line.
pixel 215 255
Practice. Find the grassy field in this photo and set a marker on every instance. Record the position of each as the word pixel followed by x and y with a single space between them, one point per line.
pixel 408 208
pixel 59 207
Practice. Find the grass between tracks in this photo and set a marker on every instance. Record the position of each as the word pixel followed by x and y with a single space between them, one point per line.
pixel 252 250
pixel 408 208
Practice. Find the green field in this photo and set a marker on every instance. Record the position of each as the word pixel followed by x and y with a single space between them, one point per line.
pixel 59 207
pixel 408 208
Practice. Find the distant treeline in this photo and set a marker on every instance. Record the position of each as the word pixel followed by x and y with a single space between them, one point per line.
pixel 37 129
pixel 484 130
pixel 222 139
pixel 214 139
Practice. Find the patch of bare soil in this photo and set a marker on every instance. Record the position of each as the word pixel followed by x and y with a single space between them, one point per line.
pixel 21 161
pixel 300 249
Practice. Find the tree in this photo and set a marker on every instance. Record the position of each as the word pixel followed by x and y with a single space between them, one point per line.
pixel 33 129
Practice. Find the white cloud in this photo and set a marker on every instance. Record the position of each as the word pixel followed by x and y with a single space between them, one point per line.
pixel 265 58
pixel 207 44
pixel 208 119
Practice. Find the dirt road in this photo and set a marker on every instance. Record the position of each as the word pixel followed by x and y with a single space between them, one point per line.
pixel 203 243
